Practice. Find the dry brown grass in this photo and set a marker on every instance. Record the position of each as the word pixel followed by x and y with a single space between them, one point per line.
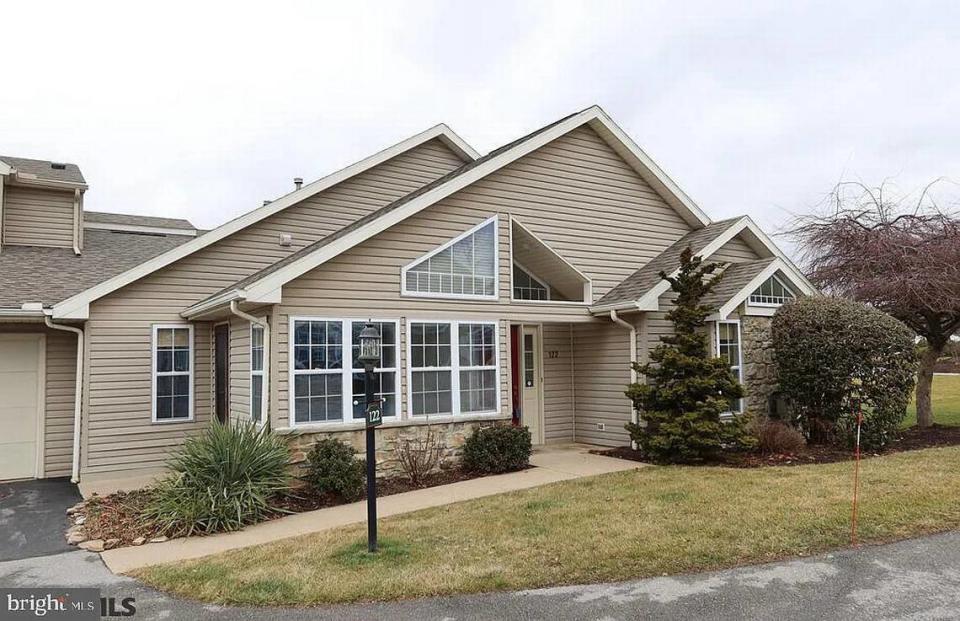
pixel 658 520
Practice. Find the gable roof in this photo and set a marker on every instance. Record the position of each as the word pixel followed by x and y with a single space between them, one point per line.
pixel 749 279
pixel 45 170
pixel 634 297
pixel 638 283
pixel 30 274
pixel 262 285
pixel 77 306
pixel 735 277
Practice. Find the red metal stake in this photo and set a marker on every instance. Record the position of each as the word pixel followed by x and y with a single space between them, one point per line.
pixel 856 476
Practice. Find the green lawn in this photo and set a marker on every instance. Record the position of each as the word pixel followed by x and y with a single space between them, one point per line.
pixel 654 521
pixel 946 402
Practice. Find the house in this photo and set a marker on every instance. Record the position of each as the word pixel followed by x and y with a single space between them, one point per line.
pixel 515 285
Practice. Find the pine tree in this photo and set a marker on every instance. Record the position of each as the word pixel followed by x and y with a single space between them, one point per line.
pixel 686 390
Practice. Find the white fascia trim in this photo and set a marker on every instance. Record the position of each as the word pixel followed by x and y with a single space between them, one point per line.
pixel 513 220
pixel 789 268
pixel 211 304
pixel 136 228
pixel 77 305
pixel 731 305
pixel 650 301
pixel 5 169
pixel 312 260
pixel 458 296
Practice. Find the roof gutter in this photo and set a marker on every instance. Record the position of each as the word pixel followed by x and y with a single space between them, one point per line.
pixel 214 303
pixel 633 358
pixel 78 395
pixel 264 394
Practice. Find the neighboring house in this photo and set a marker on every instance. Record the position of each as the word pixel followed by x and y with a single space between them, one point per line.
pixel 517 285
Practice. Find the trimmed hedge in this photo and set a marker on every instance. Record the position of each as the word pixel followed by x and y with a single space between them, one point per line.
pixel 493 450
pixel 332 468
pixel 831 352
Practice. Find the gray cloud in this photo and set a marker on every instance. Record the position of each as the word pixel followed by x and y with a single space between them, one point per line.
pixel 202 110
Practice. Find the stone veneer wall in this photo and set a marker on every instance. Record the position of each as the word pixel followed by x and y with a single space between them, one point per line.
pixel 452 435
pixel 759 363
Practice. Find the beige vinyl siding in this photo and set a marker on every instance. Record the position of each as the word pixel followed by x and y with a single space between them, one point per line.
pixel 120 434
pixel 239 369
pixel 550 190
pixel 61 391
pixel 601 354
pixel 38 217
pixel 734 251
pixel 558 392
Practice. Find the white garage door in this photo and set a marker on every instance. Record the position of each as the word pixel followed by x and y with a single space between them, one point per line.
pixel 19 405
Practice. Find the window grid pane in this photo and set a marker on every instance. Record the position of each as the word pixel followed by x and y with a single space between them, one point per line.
pixel 773 292
pixel 728 348
pixel 467 267
pixel 173 357
pixel 526 287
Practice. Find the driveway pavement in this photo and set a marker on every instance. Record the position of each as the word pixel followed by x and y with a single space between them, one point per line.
pixel 33 517
pixel 916 579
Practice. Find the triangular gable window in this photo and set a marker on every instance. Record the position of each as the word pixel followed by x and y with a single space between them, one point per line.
pixel 464 267
pixel 772 293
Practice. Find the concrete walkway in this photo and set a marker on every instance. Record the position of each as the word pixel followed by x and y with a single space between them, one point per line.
pixel 553 464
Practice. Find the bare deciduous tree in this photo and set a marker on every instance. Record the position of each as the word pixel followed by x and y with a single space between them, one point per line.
pixel 897 254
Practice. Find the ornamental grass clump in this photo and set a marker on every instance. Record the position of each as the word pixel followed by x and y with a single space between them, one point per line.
pixel 227 477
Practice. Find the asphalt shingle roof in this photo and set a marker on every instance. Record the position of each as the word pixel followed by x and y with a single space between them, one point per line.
pixel 735 277
pixel 44 169
pixel 101 217
pixel 634 286
pixel 50 275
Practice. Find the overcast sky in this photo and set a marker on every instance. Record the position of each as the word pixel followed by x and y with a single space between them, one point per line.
pixel 202 110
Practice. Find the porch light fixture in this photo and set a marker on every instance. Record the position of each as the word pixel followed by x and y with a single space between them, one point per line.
pixel 369 346
pixel 370 357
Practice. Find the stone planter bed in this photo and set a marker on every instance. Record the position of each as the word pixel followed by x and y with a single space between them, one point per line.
pixel 910 440
pixel 103 523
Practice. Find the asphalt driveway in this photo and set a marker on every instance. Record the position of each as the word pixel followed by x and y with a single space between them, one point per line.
pixel 915 579
pixel 33 517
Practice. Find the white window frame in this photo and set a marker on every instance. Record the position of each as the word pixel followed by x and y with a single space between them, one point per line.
pixel 154 373
pixel 458 296
pixel 258 373
pixel 533 277
pixel 739 364
pixel 454 369
pixel 750 301
pixel 346 372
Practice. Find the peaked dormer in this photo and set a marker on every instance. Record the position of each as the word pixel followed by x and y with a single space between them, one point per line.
pixel 41 203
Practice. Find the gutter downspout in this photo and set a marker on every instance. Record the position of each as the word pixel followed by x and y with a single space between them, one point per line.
pixel 633 358
pixel 78 394
pixel 266 356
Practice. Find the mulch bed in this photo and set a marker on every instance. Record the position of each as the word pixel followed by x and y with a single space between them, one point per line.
pixel 305 499
pixel 910 440
pixel 116 518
